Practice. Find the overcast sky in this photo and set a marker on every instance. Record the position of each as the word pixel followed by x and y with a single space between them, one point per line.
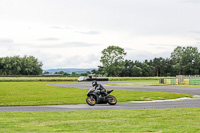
pixel 72 33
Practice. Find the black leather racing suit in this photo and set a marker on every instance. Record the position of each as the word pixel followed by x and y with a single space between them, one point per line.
pixel 101 89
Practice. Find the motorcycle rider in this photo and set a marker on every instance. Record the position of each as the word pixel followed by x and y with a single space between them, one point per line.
pixel 99 88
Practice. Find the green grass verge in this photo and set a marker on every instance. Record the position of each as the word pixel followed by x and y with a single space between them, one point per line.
pixel 138 84
pixel 38 93
pixel 47 79
pixel 36 79
pixel 149 84
pixel 136 78
pixel 151 120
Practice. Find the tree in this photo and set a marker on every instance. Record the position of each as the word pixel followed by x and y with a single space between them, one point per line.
pixel 186 60
pixel 86 73
pixel 45 72
pixel 98 71
pixel 159 66
pixel 74 74
pixel 60 72
pixel 113 60
pixel 169 71
pixel 176 57
pixel 126 72
pixel 136 71
pixel 20 66
pixel 63 73
pixel 30 66
pixel 94 71
pixel 146 70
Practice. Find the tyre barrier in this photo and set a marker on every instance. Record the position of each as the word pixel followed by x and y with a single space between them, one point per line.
pixel 191 81
pixel 185 81
pixel 171 81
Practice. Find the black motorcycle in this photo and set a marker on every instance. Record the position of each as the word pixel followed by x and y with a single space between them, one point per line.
pixel 94 97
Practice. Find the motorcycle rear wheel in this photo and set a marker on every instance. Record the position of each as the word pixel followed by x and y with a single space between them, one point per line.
pixel 90 101
pixel 113 101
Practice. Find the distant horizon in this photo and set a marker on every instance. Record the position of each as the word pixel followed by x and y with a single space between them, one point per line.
pixel 69 70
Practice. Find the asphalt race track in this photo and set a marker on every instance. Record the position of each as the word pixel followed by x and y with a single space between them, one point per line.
pixel 118 106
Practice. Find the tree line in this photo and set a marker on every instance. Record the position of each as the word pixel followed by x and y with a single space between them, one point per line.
pixel 183 61
pixel 27 65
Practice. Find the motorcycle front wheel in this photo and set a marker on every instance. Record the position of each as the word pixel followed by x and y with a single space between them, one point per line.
pixel 91 101
pixel 112 100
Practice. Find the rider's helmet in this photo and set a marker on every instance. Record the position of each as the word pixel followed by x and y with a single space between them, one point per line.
pixel 94 83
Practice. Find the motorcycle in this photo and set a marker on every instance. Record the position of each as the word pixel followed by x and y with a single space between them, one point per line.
pixel 94 97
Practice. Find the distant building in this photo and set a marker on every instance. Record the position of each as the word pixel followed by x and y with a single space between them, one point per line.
pixel 91 76
pixel 94 77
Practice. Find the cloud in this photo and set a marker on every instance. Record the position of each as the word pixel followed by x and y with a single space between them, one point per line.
pixel 198 32
pixel 163 48
pixel 89 32
pixel 81 32
pixel 164 45
pixel 56 27
pixel 61 61
pixel 88 61
pixel 6 40
pixel 61 28
pixel 126 48
pixel 49 39
pixel 145 55
pixel 191 1
pixel 77 44
pixel 70 44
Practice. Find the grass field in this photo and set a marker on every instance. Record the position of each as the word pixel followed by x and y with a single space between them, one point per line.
pixel 149 84
pixel 145 121
pixel 38 93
